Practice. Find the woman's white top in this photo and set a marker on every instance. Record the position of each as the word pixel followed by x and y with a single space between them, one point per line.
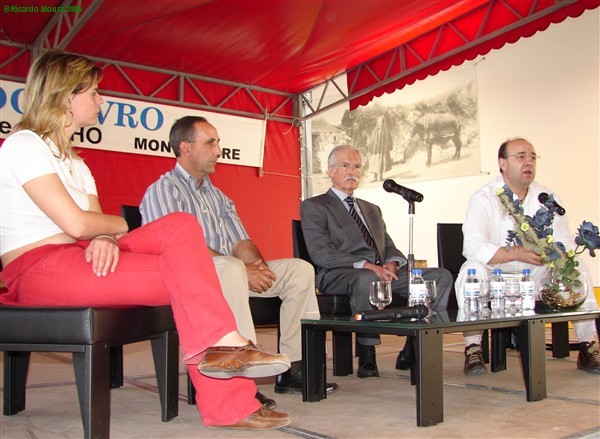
pixel 24 156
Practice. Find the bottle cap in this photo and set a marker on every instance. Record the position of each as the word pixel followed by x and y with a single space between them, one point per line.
pixel 471 271
pixel 497 272
pixel 417 271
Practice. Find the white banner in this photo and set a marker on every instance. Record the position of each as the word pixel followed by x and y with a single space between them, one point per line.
pixel 143 128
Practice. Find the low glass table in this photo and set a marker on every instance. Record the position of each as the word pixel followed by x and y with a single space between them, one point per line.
pixel 427 374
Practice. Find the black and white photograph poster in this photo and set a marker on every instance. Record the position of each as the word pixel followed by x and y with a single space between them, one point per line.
pixel 428 130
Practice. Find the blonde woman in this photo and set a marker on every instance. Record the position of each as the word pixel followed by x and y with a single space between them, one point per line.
pixel 58 248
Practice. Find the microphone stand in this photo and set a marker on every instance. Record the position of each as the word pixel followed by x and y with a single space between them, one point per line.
pixel 411 255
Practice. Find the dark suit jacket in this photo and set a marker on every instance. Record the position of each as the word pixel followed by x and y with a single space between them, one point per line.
pixel 333 238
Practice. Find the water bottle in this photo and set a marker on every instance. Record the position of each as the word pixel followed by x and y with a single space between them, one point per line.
pixel 417 292
pixel 497 287
pixel 527 290
pixel 471 293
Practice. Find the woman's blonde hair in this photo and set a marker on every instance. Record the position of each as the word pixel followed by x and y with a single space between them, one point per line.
pixel 52 79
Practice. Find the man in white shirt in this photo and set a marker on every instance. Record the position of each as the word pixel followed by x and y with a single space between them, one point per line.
pixel 485 232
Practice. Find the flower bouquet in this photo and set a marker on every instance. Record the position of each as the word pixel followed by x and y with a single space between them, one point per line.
pixel 564 288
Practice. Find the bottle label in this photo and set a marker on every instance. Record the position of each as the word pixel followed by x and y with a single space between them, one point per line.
pixel 472 289
pixel 526 288
pixel 497 289
pixel 417 293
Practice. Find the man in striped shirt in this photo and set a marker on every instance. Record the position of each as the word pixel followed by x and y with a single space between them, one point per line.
pixel 242 270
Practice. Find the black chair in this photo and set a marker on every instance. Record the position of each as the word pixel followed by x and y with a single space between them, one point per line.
pixel 330 305
pixel 95 336
pixel 449 251
pixel 333 305
pixel 265 311
pixel 450 257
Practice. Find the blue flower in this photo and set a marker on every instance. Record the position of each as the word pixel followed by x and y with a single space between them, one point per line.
pixel 587 236
pixel 541 219
pixel 553 255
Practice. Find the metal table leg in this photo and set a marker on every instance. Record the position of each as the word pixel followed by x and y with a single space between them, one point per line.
pixel 342 353
pixel 313 364
pixel 530 337
pixel 498 362
pixel 429 352
pixel 560 339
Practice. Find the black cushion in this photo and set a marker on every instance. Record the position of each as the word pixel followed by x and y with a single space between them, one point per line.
pixel 82 325
pixel 334 304
pixel 265 310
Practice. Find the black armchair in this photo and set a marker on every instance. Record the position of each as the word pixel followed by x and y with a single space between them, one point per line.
pixel 265 311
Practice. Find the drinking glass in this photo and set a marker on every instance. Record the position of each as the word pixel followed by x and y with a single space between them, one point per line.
pixel 380 294
pixel 431 289
pixel 512 293
pixel 484 298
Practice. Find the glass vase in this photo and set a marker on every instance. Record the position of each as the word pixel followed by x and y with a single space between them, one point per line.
pixel 560 296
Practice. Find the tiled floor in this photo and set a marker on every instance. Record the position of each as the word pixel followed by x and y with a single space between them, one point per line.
pixel 490 406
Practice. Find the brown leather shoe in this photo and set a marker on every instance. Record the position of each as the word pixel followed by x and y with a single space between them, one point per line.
pixel 262 419
pixel 246 361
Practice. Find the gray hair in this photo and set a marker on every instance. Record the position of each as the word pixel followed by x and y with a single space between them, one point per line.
pixel 334 151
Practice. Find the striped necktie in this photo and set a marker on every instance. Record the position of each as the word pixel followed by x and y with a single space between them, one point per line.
pixel 361 225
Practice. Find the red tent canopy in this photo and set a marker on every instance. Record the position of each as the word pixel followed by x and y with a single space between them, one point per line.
pixel 256 57
pixel 287 45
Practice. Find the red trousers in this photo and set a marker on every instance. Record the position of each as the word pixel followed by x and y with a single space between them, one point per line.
pixel 164 262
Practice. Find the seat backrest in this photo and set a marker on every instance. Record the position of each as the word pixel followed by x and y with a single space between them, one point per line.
pixel 132 215
pixel 450 247
pixel 300 250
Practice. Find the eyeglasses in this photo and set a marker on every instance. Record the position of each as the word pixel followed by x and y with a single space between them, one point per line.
pixel 348 166
pixel 522 156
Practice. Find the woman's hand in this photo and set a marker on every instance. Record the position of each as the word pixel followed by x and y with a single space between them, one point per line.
pixel 103 253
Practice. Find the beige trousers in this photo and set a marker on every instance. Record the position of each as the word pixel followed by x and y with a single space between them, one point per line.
pixel 294 285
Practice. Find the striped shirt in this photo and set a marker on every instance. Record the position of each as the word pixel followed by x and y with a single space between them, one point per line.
pixel 177 191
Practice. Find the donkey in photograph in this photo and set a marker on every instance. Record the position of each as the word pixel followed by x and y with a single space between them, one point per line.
pixel 438 129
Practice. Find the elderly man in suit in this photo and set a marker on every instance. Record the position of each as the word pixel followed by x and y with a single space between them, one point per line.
pixel 348 241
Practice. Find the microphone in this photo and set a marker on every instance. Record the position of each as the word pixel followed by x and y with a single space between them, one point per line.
pixel 409 195
pixel 408 312
pixel 544 197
